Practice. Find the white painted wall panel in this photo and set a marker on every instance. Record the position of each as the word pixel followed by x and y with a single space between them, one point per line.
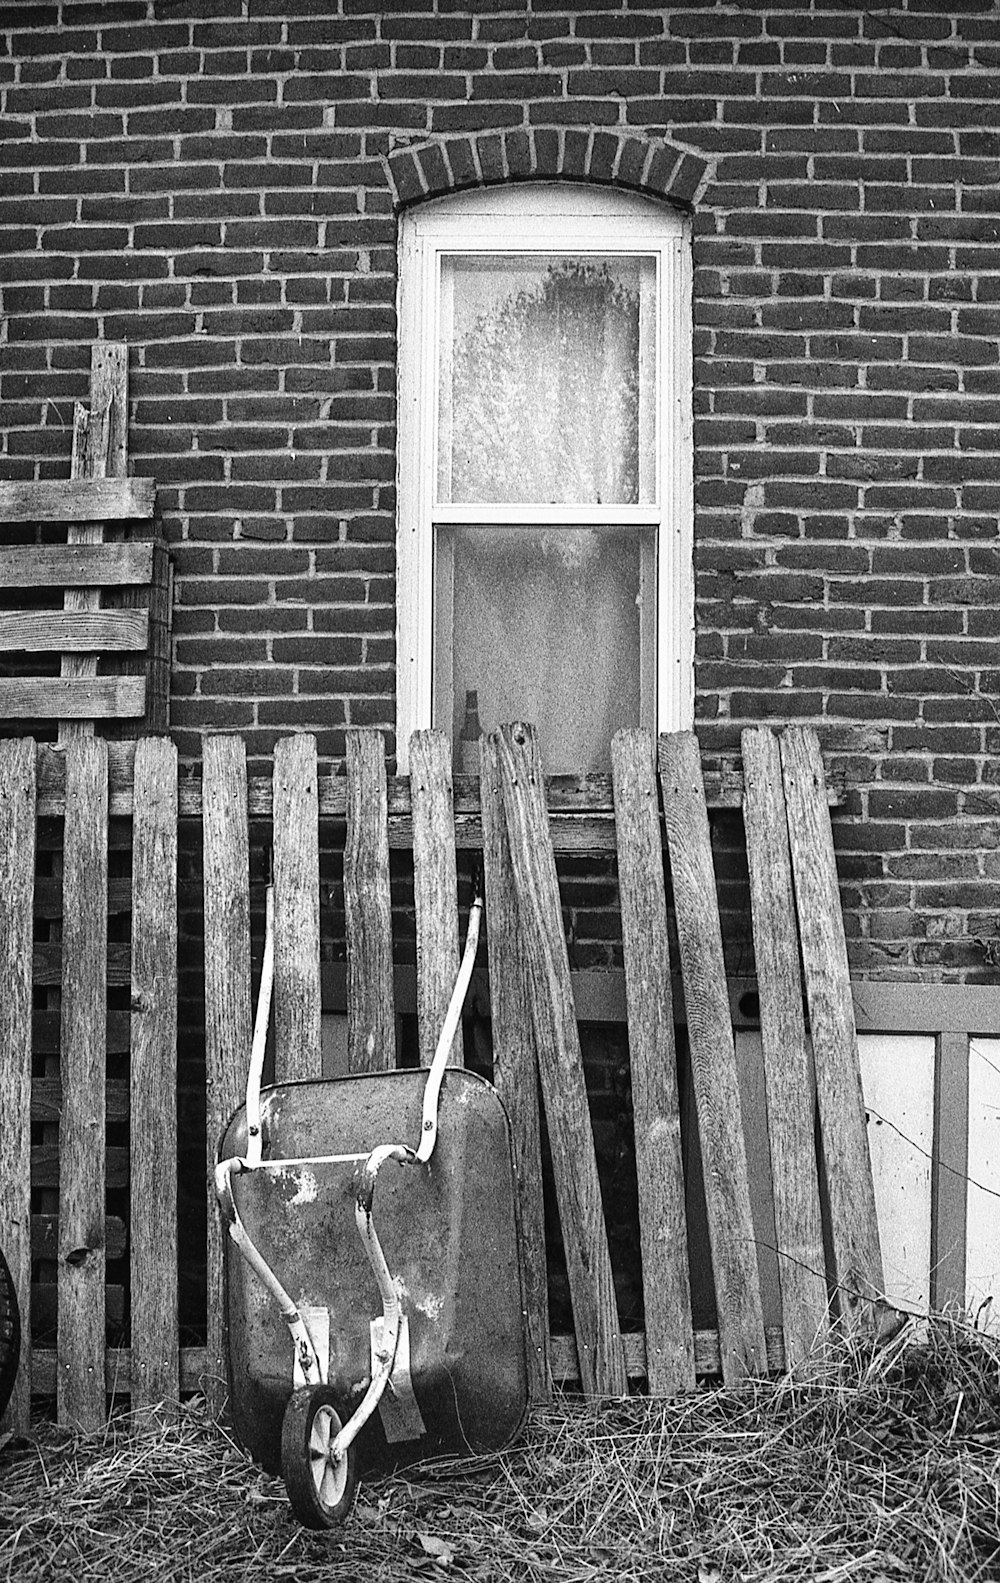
pixel 897 1074
pixel 982 1279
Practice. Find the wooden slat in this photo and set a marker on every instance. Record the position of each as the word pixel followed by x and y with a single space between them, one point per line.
pixel 17 873
pixel 515 1070
pixel 371 1026
pixel 713 1060
pixel 45 1163
pixel 228 1023
pixel 435 889
pixel 76 565
pixel 72 698
pixel 567 1114
pixel 707 1359
pixel 46 1092
pixel 82 1127
pixel 788 1079
pixel 79 500
pixel 47 961
pixel 44 631
pixel 153 1075
pixel 949 1170
pixel 297 1045
pixel 45 1038
pixel 653 1057
pixel 854 1225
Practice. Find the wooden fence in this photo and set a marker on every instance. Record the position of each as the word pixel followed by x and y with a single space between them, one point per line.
pixel 768 1256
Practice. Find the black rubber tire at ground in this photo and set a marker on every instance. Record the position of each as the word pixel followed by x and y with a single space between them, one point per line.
pixel 321 1494
pixel 10 1334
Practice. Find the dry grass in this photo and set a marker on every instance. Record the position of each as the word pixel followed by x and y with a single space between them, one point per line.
pixel 866 1466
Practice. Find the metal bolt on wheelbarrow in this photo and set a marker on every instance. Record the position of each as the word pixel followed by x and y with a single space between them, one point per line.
pixel 377 1346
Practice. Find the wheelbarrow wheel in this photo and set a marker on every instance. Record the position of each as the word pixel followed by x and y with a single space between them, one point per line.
pixel 10 1334
pixel 321 1490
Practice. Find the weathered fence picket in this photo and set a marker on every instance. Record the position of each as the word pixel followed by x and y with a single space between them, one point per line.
pixel 790 1087
pixel 713 1060
pixel 557 1041
pixel 228 1016
pixel 297 1038
pixel 853 1220
pixel 17 879
pixel 153 1077
pixel 435 888
pixel 653 1058
pixel 515 1067
pixel 371 1023
pixel 82 1164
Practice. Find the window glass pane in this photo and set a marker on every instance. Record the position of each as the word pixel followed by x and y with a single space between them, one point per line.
pixel 546 380
pixel 550 625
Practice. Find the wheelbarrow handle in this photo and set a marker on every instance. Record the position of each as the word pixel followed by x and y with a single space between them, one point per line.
pixel 435 1076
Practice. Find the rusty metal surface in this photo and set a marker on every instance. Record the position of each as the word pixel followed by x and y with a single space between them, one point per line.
pixel 449 1235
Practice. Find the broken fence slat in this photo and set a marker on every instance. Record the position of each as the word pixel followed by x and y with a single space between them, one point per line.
pixel 17 875
pixel 713 1060
pixel 297 1012
pixel 515 1069
pixel 788 1078
pixel 153 1076
pixel 653 1058
pixel 435 889
pixel 228 1024
pixel 567 1114
pixel 371 1022
pixel 854 1225
pixel 80 1340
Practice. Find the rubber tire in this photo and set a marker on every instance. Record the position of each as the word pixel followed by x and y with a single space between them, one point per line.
pixel 312 1419
pixel 10 1334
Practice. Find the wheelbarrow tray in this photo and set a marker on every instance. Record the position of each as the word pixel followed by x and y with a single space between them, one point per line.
pixel 449 1235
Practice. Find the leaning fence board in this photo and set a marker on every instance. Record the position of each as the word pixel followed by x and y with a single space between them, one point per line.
pixel 153 1075
pixel 653 1058
pixel 17 872
pixel 80 1339
pixel 713 1060
pixel 297 1042
pixel 789 1082
pixel 45 631
pixel 78 500
pixel 567 1115
pixel 73 698
pixel 371 1024
pixel 76 565
pixel 854 1227
pixel 228 1026
pixel 515 1069
pixel 435 889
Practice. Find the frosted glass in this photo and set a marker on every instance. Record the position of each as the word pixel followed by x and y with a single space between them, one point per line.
pixel 544 625
pixel 546 380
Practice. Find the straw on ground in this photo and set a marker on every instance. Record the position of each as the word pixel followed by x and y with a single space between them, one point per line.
pixel 866 1465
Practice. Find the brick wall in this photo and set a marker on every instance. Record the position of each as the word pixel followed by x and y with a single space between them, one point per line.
pixel 216 183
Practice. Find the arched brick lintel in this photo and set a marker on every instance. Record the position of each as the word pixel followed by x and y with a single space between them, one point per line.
pixel 485 159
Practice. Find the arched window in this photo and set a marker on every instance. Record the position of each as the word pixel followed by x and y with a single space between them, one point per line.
pixel 545 469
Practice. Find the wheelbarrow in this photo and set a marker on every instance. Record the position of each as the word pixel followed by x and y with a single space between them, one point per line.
pixel 367 1335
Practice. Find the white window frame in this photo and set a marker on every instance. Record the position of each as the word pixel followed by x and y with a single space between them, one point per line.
pixel 542 218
